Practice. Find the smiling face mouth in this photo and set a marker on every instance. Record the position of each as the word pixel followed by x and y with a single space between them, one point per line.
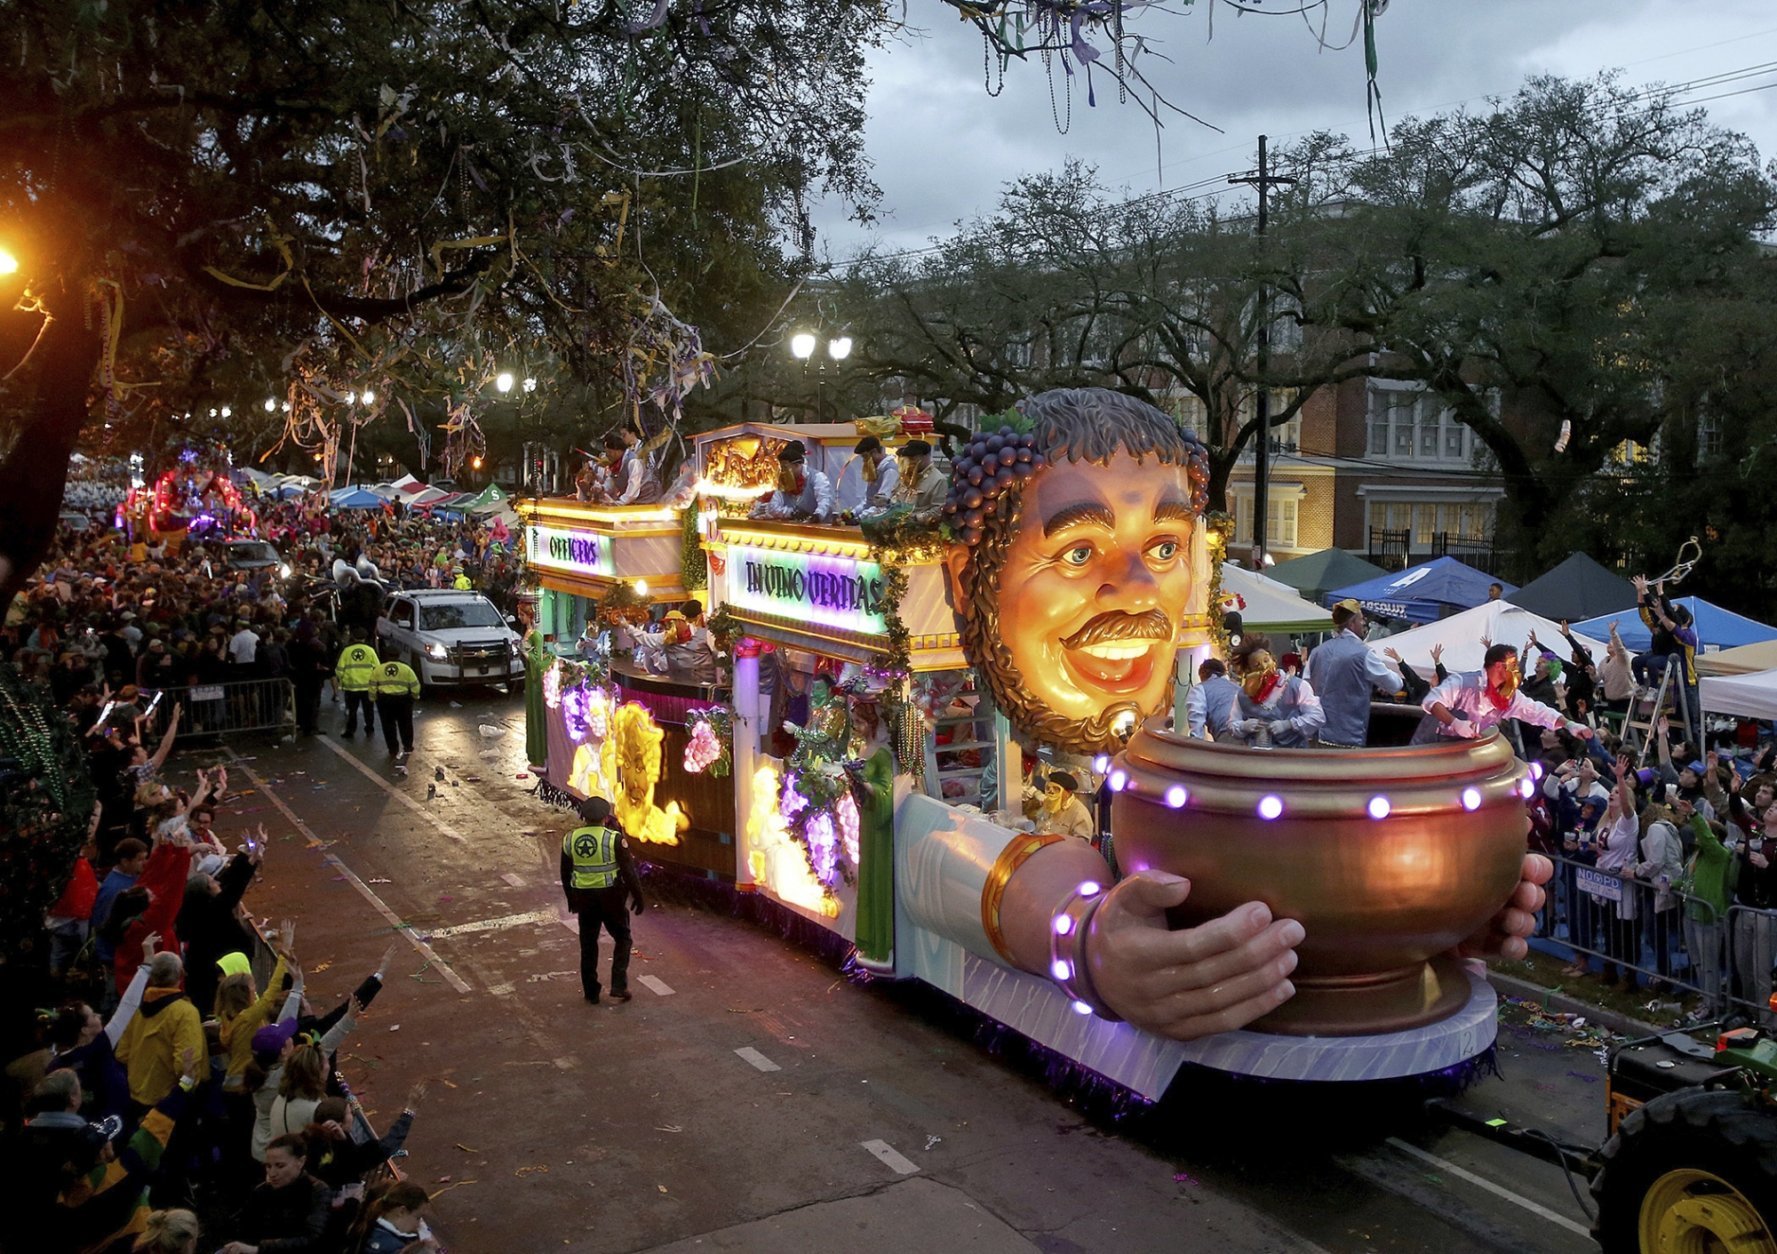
pixel 1115 652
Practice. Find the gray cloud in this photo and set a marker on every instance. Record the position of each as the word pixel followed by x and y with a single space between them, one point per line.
pixel 942 147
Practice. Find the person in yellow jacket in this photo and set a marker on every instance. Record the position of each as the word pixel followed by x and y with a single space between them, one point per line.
pixel 241 1009
pixel 357 663
pixel 163 1030
pixel 396 687
pixel 461 582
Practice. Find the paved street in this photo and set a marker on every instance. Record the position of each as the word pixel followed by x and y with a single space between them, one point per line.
pixel 750 1098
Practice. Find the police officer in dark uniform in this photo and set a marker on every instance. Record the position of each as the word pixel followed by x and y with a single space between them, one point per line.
pixel 599 877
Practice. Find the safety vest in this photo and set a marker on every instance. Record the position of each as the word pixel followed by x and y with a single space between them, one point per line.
pixel 355 667
pixel 394 679
pixel 593 852
pixel 461 583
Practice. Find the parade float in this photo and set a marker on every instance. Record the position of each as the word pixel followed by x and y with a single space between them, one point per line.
pixel 896 690
pixel 183 502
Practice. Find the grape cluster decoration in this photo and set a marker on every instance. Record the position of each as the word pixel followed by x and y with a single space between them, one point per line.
pixel 981 477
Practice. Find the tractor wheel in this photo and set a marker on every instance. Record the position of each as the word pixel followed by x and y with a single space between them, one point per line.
pixel 1694 1170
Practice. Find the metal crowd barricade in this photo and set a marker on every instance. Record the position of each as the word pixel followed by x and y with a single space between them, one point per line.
pixel 1726 960
pixel 1614 920
pixel 246 705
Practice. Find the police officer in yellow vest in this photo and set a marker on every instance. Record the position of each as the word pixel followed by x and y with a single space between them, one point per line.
pixel 599 877
pixel 353 672
pixel 395 687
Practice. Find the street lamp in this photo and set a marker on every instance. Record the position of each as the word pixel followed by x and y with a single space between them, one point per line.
pixel 802 346
pixel 503 381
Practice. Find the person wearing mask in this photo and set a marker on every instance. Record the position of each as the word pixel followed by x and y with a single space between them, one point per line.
pixel 1345 674
pixel 1209 706
pixel 599 878
pixel 802 495
pixel 881 477
pixel 923 487
pixel 1272 709
pixel 1469 705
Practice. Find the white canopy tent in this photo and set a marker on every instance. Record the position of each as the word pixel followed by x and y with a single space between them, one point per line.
pixel 1500 622
pixel 1744 696
pixel 1741 661
pixel 1272 606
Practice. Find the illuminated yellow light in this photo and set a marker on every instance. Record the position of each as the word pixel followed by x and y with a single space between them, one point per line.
pixel 729 491
pixel 8 263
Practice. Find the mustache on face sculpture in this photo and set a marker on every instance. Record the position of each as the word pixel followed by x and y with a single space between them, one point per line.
pixel 1115 626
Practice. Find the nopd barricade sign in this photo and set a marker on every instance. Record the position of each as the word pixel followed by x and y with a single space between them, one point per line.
pixel 1599 883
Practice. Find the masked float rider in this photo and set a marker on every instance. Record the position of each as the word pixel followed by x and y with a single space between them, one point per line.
pixel 1273 708
pixel 881 475
pixel 802 495
pixel 1060 810
pixel 1472 703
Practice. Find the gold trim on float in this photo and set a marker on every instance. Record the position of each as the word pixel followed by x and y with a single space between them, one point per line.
pixel 558 507
pixel 1016 853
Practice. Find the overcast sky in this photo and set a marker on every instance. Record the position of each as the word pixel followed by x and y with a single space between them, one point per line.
pixel 942 147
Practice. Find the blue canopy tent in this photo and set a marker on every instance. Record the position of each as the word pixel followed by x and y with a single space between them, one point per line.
pixel 1716 628
pixel 355 498
pixel 1420 594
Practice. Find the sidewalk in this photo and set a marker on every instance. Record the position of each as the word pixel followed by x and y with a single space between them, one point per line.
pixel 1538 978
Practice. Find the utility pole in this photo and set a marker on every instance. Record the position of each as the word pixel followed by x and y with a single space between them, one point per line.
pixel 1264 180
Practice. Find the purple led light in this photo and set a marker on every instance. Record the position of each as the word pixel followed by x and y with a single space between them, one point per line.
pixel 1536 770
pixel 1379 807
pixel 1270 807
pixel 1062 970
pixel 1081 1008
pixel 1176 796
pixel 1101 763
pixel 1119 780
pixel 1063 924
pixel 1471 798
pixel 1526 789
pixel 1089 888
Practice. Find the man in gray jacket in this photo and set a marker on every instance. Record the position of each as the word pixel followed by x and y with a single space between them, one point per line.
pixel 1343 672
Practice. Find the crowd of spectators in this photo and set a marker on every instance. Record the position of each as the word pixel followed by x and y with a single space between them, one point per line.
pixel 178 1091
pixel 182 1084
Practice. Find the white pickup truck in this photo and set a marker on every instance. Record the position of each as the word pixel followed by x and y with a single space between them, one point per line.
pixel 452 638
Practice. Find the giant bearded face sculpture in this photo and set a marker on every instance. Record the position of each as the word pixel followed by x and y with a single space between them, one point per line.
pixel 1073 575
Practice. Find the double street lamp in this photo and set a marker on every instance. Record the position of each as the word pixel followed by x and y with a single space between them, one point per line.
pixel 802 346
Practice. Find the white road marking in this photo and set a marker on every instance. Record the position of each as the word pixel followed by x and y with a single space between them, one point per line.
pixel 494 925
pixel 1498 1190
pixel 382 907
pixel 438 824
pixel 657 985
pixel 890 1157
pixel 517 881
pixel 757 1059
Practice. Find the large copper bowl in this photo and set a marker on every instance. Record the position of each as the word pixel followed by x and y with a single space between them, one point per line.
pixel 1388 857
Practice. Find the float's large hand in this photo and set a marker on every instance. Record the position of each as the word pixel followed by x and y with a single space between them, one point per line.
pixel 1195 982
pixel 1506 932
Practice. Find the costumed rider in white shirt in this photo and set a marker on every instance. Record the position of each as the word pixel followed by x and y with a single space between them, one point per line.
pixel 1472 703
pixel 882 475
pixel 1273 710
pixel 802 495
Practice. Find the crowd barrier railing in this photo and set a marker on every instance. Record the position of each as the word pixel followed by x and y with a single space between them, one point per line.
pixel 1657 932
pixel 239 706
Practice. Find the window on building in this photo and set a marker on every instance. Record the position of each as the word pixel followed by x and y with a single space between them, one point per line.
pixel 1425 520
pixel 1192 414
pixel 1409 424
pixel 1281 510
pixel 1018 354
pixel 1709 434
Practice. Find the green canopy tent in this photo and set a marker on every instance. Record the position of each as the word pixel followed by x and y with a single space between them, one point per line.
pixel 1319 573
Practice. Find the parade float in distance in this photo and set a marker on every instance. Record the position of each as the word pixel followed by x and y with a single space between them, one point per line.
pixel 901 714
